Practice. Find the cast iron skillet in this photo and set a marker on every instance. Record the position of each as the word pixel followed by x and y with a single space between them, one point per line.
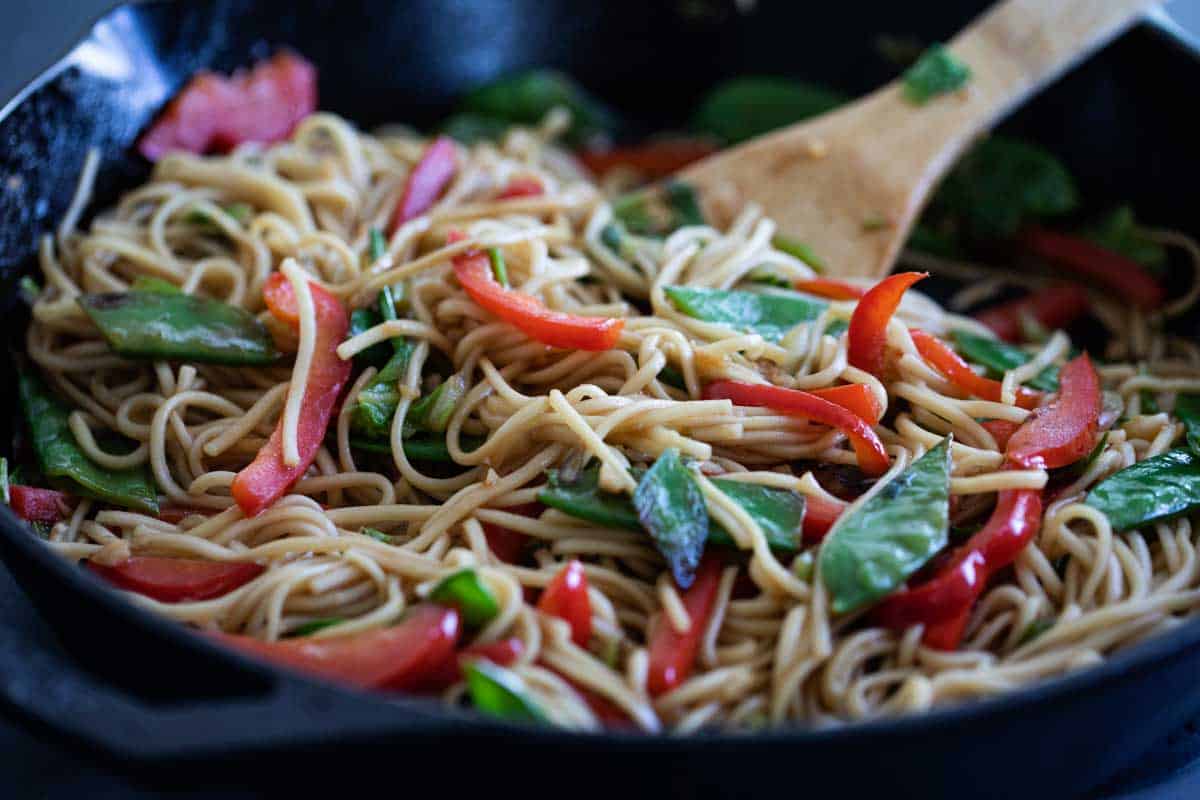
pixel 153 695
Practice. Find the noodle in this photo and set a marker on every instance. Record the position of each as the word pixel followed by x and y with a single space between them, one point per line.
pixel 773 650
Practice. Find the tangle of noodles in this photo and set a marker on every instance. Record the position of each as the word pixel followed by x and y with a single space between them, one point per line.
pixel 772 653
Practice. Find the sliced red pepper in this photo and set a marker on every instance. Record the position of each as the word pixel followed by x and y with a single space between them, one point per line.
pixel 1001 430
pixel 33 504
pixel 857 398
pixel 1053 307
pixel 819 516
pixel 567 598
pixel 428 179
pixel 673 654
pixel 508 545
pixel 401 657
pixel 553 328
pixel 267 479
pixel 867 336
pixel 177 580
pixel 944 602
pixel 218 113
pixel 959 372
pixel 503 653
pixel 833 289
pixel 652 160
pixel 872 458
pixel 521 187
pixel 1123 277
pixel 1064 431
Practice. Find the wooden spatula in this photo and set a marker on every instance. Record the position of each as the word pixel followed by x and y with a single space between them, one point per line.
pixel 850 183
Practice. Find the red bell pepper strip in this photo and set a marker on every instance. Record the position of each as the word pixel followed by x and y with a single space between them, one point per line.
pixel 1001 430
pixel 503 653
pixel 867 336
pixel 1053 307
pixel 856 398
pixel 872 458
pixel 508 545
pixel 400 658
pixel 177 580
pixel 673 654
pixel 567 598
pixel 652 160
pixel 1122 276
pixel 428 179
pixel 959 372
pixel 819 516
pixel 552 328
pixel 218 113
pixel 1064 431
pixel 267 479
pixel 944 602
pixel 521 187
pixel 33 504
pixel 833 289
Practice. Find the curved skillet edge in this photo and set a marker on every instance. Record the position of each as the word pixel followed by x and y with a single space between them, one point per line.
pixel 181 699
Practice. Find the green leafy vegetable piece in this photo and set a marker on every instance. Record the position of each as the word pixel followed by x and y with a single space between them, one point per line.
pixel 239 212
pixel 672 377
pixel 499 692
pixel 363 319
pixel 671 508
pixel 148 283
pixel 582 498
pixel 499 268
pixel 471 128
pixel 61 457
pixel 837 328
pixel 377 245
pixel 1120 233
pixel 770 314
pixel 1187 408
pixel 798 249
pixel 433 411
pixel 527 97
pixel 1001 183
pixel 936 72
pixel 418 447
pixel 656 210
pixel 309 628
pixel 464 591
pixel 874 549
pixel 1152 490
pixel 378 400
pixel 778 512
pixel 377 535
pixel 743 108
pixel 179 327
pixel 999 357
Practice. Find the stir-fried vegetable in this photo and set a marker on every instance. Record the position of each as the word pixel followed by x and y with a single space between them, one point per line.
pixel 177 580
pixel 471 128
pixel 658 210
pixel 553 328
pixel 743 108
pixel 868 325
pixel 1120 233
pixel 798 249
pixel 268 477
pixel 1152 490
pixel 874 549
pixel 309 628
pixel 428 179
pixel 872 458
pixel 671 508
pixel 857 398
pixel 1047 309
pixel 149 283
pixel 1122 276
pixel 433 411
pixel 998 357
pixel 499 692
pixel 503 653
pixel 830 288
pixel 1187 409
pixel 174 326
pixel 936 72
pixel 1064 431
pixel 672 653
pixel 527 97
pixel 33 504
pixel 418 446
pixel 567 598
pixel 770 314
pixel 60 456
pixel 958 372
pixel 400 658
pixel 466 592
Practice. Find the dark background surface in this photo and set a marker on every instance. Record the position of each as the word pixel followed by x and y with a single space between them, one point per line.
pixel 33 33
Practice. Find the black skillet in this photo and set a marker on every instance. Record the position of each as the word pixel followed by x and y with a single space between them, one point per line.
pixel 150 695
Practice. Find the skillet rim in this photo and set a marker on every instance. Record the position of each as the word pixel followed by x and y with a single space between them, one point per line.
pixel 17 537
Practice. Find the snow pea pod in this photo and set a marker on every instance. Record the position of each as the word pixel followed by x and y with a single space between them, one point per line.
pixel 60 456
pixel 377 401
pixel 658 210
pixel 771 314
pixel 179 327
pixel 874 549
pixel 1187 408
pixel 1156 489
pixel 499 692
pixel 433 411
pixel 671 508
pixel 463 590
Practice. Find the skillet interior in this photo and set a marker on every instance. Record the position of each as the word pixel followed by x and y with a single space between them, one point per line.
pixel 1116 123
